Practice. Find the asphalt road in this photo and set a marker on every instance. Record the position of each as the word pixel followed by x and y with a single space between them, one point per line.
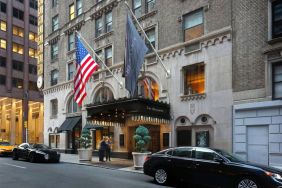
pixel 23 174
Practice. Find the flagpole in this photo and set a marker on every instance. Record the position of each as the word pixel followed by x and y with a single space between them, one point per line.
pixel 80 36
pixel 147 38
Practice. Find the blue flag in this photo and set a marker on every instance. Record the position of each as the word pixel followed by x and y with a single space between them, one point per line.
pixel 135 51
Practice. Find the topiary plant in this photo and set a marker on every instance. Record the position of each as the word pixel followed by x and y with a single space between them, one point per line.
pixel 142 139
pixel 85 139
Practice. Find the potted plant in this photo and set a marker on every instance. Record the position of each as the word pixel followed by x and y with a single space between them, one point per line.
pixel 85 152
pixel 142 140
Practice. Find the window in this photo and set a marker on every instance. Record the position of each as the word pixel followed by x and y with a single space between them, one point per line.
pixel 151 35
pixel 137 8
pixel 108 56
pixel 121 140
pixel 99 27
pixel 3 25
pixel 18 31
pixel 71 71
pixel 54 77
pixel 2 79
pixel 3 7
pixel 165 139
pixel 276 19
pixel 18 14
pixel 194 79
pixel 277 81
pixel 73 106
pixel 18 65
pixel 33 20
pixel 33 4
pixel 71 42
pixel 17 82
pixel 54 3
pixel 71 12
pixel 54 107
pixel 104 94
pixel 32 52
pixel 18 48
pixel 32 36
pixel 205 154
pixel 193 25
pixel 202 139
pixel 55 23
pixel 54 51
pixel 182 152
pixel 78 7
pixel 32 69
pixel 32 86
pixel 150 4
pixel 109 21
pixel 3 61
pixel 3 43
pixel 147 88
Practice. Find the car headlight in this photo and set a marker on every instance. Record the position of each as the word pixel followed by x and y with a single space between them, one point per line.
pixel 273 175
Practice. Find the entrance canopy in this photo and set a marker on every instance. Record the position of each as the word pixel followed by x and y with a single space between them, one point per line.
pixel 69 124
pixel 93 126
pixel 119 110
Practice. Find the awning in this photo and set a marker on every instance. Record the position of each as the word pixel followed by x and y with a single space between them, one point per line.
pixel 69 124
pixel 92 126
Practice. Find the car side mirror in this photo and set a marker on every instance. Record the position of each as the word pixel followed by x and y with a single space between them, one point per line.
pixel 219 160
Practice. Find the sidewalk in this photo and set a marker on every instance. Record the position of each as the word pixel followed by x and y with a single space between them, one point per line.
pixel 115 163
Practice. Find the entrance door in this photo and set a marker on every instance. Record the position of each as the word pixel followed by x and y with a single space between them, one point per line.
pixel 154 132
pixel 258 144
pixel 184 137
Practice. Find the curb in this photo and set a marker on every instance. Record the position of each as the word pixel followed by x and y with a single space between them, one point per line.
pixel 105 167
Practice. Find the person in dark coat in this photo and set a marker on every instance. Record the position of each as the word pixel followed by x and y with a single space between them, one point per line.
pixel 109 148
pixel 102 149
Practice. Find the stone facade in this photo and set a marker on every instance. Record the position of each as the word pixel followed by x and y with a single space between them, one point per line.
pixel 214 50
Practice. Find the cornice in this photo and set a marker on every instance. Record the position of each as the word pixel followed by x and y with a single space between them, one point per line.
pixel 99 11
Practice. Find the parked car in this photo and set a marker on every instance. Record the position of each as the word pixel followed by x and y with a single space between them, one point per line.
pixel 35 153
pixel 6 148
pixel 209 168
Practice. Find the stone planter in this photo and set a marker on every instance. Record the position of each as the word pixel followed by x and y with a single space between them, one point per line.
pixel 85 154
pixel 139 159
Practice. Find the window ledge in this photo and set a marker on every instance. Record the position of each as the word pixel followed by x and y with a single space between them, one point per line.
pixel 193 97
pixel 54 60
pixel 104 35
pixel 71 51
pixel 147 15
pixel 53 117
pixel 275 40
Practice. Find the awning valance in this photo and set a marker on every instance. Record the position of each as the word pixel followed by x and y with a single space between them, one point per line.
pixel 93 126
pixel 70 123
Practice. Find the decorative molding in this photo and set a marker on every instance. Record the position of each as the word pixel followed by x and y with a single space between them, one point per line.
pixel 193 97
pixel 144 17
pixel 103 36
pixel 54 40
pixel 59 87
pixel 100 11
pixel 74 27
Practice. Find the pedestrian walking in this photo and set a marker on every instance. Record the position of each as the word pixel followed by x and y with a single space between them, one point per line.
pixel 102 149
pixel 109 148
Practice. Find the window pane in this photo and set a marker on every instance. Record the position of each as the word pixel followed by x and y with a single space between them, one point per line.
pixel 78 7
pixel 205 155
pixel 70 71
pixel 194 79
pixel 3 26
pixel 278 90
pixel 187 153
pixel 71 12
pixel 193 19
pixel 136 3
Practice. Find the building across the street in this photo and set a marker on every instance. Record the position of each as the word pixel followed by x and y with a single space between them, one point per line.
pixel 21 104
pixel 257 81
pixel 192 106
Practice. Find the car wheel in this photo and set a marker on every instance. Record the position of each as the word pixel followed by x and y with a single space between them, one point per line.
pixel 161 176
pixel 32 158
pixel 15 156
pixel 247 183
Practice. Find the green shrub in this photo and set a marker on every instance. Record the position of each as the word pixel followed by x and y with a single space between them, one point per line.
pixel 85 139
pixel 142 139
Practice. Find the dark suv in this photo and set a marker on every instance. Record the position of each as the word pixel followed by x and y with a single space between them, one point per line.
pixel 210 168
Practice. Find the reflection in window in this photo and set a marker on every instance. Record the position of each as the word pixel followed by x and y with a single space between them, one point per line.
pixel 137 8
pixel 148 88
pixel 277 81
pixel 193 25
pixel 277 19
pixel 150 4
pixel 99 27
pixel 109 56
pixel 104 94
pixel 109 21
pixel 152 38
pixel 194 79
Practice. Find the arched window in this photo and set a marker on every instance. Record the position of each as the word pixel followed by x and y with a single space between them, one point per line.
pixel 148 88
pixel 73 106
pixel 104 94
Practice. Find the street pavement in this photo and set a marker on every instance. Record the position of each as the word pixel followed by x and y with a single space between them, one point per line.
pixel 65 175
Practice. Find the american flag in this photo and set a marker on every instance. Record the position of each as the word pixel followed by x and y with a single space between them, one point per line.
pixel 85 66
pixel 148 83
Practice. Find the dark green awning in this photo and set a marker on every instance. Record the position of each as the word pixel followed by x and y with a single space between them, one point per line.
pixel 69 124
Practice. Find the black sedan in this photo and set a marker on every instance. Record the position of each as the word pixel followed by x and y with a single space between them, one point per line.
pixel 209 168
pixel 35 153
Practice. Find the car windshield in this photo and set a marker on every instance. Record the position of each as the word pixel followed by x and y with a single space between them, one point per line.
pixel 40 146
pixel 4 143
pixel 229 156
